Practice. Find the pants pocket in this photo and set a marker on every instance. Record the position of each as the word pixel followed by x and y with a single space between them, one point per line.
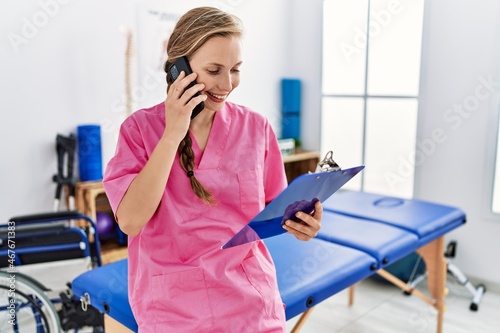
pixel 261 274
pixel 181 299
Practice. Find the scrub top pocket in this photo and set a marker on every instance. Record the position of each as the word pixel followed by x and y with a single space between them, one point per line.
pixel 252 194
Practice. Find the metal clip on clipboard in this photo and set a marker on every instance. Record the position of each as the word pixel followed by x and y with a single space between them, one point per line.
pixel 318 185
pixel 327 164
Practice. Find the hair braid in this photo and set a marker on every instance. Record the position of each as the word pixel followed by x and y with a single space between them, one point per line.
pixel 187 162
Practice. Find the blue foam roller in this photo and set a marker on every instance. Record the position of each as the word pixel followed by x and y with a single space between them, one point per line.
pixel 89 152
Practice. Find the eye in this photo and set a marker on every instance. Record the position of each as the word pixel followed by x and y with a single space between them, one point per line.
pixel 235 70
pixel 213 72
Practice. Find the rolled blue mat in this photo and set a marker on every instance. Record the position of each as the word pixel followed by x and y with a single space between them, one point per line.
pixel 290 95
pixel 290 108
pixel 89 152
pixel 290 126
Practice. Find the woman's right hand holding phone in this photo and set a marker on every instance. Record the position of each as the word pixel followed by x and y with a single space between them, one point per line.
pixel 179 105
pixel 145 192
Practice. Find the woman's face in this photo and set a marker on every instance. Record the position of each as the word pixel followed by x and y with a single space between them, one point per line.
pixel 217 64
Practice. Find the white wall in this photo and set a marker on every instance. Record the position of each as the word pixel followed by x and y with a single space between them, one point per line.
pixel 305 39
pixel 460 49
pixel 62 65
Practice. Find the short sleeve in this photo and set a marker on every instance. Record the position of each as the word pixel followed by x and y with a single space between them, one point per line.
pixel 129 159
pixel 274 170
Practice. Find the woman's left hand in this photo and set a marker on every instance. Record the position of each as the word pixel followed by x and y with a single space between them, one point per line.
pixel 308 226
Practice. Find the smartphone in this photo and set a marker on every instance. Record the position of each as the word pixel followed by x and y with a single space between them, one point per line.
pixel 182 64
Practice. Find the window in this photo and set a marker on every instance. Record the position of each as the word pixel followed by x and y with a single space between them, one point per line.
pixel 371 75
pixel 495 205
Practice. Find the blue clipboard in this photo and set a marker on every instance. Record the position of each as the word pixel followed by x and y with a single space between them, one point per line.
pixel 268 222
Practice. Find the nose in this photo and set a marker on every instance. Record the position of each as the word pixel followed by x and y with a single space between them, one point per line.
pixel 226 82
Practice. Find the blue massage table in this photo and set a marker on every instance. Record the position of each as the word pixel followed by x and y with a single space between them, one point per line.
pixel 361 234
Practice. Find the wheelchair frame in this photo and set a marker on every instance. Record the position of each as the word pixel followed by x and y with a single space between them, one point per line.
pixel 30 241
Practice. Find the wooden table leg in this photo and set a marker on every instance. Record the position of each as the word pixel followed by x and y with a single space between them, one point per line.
pixel 435 262
pixel 351 295
pixel 301 320
pixel 111 325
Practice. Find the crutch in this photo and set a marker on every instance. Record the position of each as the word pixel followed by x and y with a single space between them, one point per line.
pixel 65 148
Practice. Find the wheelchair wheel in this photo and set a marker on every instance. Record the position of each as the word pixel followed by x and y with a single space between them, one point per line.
pixel 26 306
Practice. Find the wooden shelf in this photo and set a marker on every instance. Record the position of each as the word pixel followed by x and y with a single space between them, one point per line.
pixel 112 251
pixel 300 163
pixel 301 156
pixel 90 198
pixel 90 195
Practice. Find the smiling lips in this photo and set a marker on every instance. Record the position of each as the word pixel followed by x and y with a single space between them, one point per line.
pixel 216 98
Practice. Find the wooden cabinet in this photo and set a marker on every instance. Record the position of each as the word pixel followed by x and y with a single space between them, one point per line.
pixel 300 163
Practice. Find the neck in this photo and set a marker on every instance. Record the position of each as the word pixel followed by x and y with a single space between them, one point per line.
pixel 200 127
pixel 202 121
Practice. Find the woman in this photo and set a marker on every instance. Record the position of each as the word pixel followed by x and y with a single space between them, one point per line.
pixel 180 188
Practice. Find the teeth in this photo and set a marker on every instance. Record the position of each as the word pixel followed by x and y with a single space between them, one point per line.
pixel 217 96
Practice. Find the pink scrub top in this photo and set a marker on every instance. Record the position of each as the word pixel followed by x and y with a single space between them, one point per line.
pixel 180 280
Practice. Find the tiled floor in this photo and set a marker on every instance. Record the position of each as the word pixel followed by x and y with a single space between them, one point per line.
pixel 380 307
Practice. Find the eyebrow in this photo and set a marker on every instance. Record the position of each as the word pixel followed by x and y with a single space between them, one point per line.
pixel 220 65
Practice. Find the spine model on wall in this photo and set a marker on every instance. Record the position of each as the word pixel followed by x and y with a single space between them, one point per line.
pixel 129 61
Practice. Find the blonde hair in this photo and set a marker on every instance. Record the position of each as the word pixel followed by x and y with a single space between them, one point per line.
pixel 193 30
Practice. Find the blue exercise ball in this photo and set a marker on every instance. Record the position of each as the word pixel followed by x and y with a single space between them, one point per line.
pixel 105 226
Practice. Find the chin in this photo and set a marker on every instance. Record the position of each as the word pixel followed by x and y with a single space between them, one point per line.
pixel 214 106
